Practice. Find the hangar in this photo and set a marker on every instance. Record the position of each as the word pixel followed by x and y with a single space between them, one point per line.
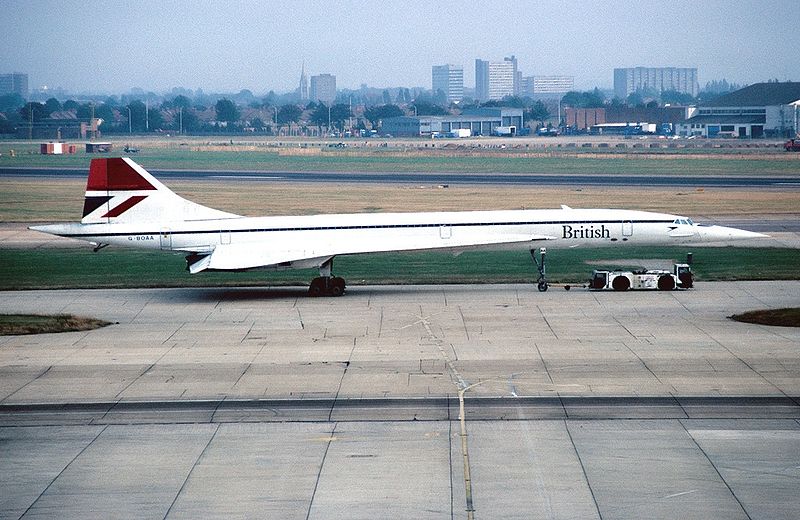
pixel 480 121
pixel 760 110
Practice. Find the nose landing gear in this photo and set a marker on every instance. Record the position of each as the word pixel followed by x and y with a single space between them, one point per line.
pixel 540 265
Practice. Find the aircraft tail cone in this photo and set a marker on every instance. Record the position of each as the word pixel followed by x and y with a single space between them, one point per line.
pixel 53 229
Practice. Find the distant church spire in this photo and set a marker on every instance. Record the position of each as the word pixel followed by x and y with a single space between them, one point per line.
pixel 303 83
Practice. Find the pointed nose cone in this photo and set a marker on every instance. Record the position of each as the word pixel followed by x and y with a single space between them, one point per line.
pixel 727 234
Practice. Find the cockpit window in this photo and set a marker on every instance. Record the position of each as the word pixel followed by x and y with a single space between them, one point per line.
pixel 684 222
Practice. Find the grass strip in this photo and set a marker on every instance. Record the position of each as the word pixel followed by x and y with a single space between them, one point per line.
pixel 777 317
pixel 667 163
pixel 123 268
pixel 19 324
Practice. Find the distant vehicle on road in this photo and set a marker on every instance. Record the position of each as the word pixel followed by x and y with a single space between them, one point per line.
pixel 792 145
pixel 130 149
pixel 547 132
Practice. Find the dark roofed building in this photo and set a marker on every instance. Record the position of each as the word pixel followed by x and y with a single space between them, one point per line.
pixel 760 94
pixel 760 110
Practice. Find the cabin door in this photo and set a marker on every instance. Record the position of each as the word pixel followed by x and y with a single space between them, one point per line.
pixel 165 238
pixel 627 228
pixel 445 232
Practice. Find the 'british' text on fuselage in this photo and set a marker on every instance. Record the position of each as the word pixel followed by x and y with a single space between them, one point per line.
pixel 586 232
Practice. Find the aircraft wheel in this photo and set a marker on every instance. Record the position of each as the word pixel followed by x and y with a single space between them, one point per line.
pixel 542 286
pixel 621 283
pixel 317 287
pixel 336 286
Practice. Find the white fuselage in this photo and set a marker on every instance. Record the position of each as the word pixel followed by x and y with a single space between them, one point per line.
pixel 125 205
pixel 409 231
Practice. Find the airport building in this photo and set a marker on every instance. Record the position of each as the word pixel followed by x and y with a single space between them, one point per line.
pixel 760 110
pixel 660 79
pixel 450 80
pixel 16 83
pixel 323 88
pixel 479 121
pixel 582 119
pixel 60 125
pixel 626 119
pixel 496 79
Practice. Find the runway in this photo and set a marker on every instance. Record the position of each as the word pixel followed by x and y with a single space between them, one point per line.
pixel 261 402
pixel 501 179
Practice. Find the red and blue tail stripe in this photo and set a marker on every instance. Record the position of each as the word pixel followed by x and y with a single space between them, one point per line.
pixel 108 177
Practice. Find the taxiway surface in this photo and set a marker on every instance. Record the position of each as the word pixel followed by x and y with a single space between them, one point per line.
pixel 259 402
pixel 499 179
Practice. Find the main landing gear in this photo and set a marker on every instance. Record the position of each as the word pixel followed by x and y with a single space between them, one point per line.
pixel 325 284
pixel 542 281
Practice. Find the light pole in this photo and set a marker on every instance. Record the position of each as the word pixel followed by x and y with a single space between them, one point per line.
pixel 130 128
pixel 559 112
pixel 180 120
pixel 329 120
pixel 275 109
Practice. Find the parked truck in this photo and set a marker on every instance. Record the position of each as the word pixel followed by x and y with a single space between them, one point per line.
pixel 505 131
pixel 680 277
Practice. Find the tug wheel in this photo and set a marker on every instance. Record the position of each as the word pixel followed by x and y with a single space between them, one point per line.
pixel 621 283
pixel 666 283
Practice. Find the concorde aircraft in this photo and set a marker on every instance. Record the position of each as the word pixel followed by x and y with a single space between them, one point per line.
pixel 126 205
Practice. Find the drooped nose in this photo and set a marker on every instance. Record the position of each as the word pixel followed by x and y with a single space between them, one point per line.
pixel 727 234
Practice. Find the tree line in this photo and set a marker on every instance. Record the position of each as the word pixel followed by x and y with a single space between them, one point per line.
pixel 182 114
pixel 179 114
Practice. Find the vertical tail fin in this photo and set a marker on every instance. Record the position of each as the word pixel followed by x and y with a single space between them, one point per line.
pixel 120 191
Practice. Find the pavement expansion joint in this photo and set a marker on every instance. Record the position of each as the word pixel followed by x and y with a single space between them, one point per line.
pixel 402 409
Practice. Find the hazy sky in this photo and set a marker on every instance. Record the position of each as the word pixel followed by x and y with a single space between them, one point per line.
pixel 225 46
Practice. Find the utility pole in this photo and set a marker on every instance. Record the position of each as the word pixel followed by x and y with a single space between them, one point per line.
pixel 130 127
pixel 180 119
pixel 147 115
